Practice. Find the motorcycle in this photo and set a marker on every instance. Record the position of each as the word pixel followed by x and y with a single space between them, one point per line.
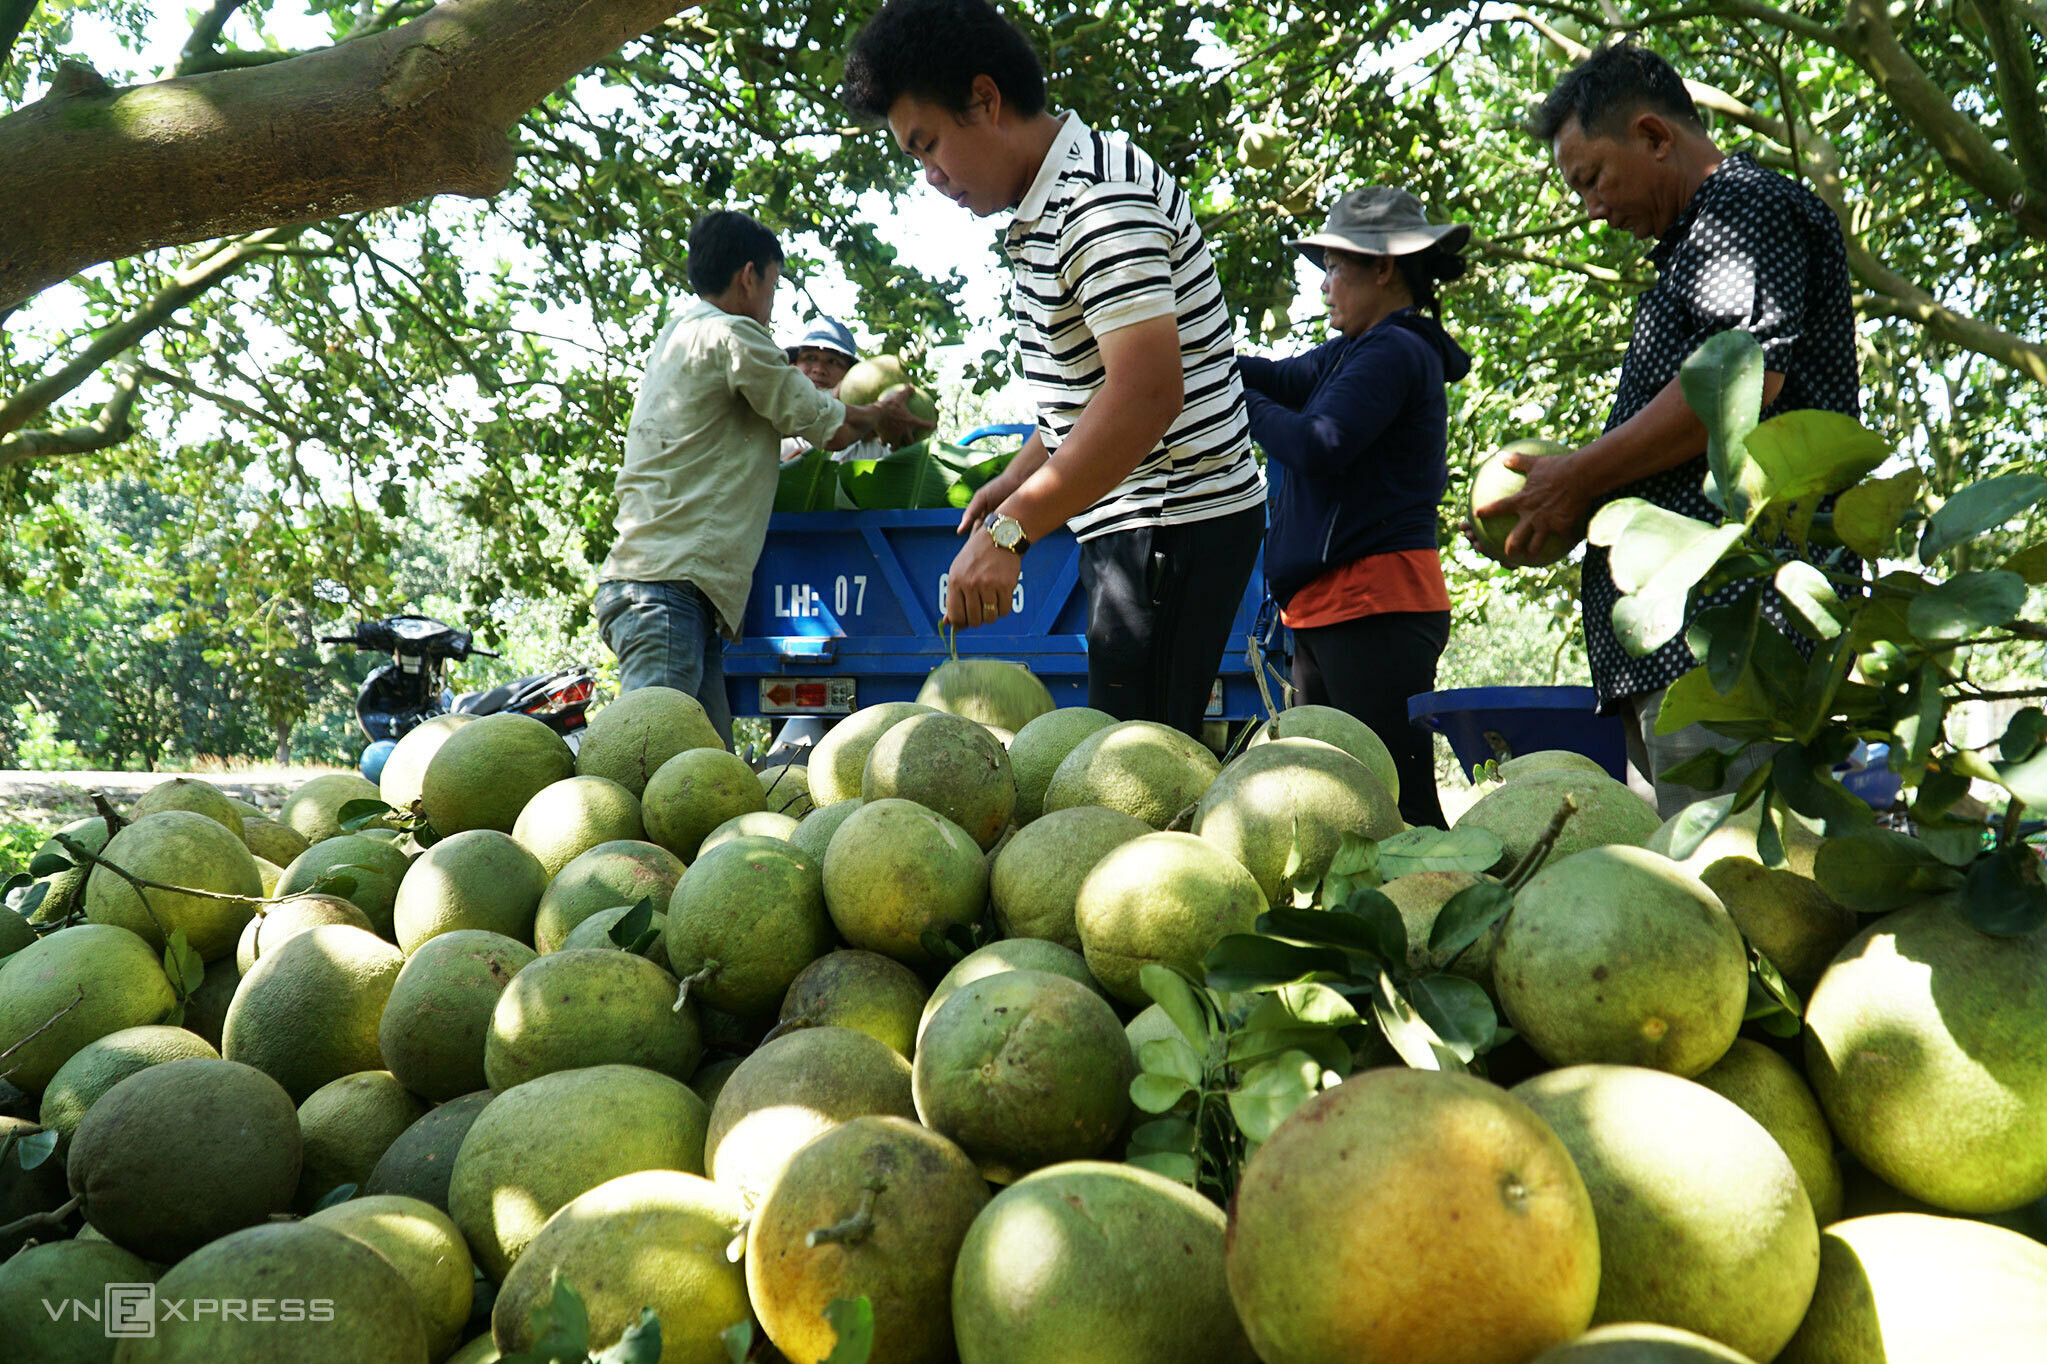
pixel 398 696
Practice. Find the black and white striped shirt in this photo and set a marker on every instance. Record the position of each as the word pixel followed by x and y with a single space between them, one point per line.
pixel 1105 239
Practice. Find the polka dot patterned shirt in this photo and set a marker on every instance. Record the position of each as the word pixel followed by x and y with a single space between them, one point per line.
pixel 1753 251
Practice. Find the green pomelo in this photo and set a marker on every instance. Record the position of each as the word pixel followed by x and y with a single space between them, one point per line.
pixel 1641 1343
pixel 1142 768
pixel 366 1312
pixel 920 1193
pixel 709 1081
pixel 868 379
pixel 596 930
pixel 313 810
pixel 269 873
pixel 840 758
pixel 1703 1223
pixel 272 842
pixel 787 786
pixel 38 1284
pixel 1041 745
pixel 1010 954
pixel 794 1089
pixel 864 991
pixel 1089 1260
pixel 421 1161
pixel 1036 876
pixel 98 1066
pixel 346 1125
pixel 653 1239
pixel 1420 897
pixel 693 793
pixel 1769 1089
pixel 948 764
pixel 539 1145
pixel 567 819
pixel 629 739
pixel 1548 760
pixel 483 774
pixel 609 875
pixel 403 779
pixel 1337 727
pixel 1519 812
pixel 1163 898
pixel 177 848
pixel 1477 1191
pixel 745 918
pixel 375 867
pixel 1493 482
pixel 249 809
pixel 83 983
pixel 1618 955
pixel 28 1194
pixel 918 403
pixel 15 933
pixel 481 879
pixel 206 1007
pixel 307 1012
pixel 283 919
pixel 225 1136
pixel 1289 803
pixel 1926 1043
pixel 1781 910
pixel 570 1010
pixel 814 831
pixel 753 824
pixel 186 793
pixel 989 690
pixel 67 888
pixel 1022 1070
pixel 432 1032
pixel 1736 837
pixel 895 871
pixel 422 1244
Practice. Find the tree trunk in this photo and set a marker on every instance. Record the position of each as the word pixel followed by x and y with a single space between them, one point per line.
pixel 96 173
pixel 282 729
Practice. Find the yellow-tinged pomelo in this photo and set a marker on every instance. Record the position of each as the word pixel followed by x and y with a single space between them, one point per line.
pixel 1164 898
pixel 990 690
pixel 282 919
pixel 374 868
pixel 865 991
pixel 346 1125
pixel 608 875
pixel 422 1161
pixel 482 1350
pixel 271 841
pixel 223 1134
pixel 1905 1288
pixel 1009 954
pixel 73 987
pixel 1289 803
pixel 1494 481
pixel 537 1146
pixel 314 809
pixel 629 739
pixel 37 1287
pixel 98 1066
pixel 1483 1200
pixel 946 763
pixel 1926 1042
pixel 744 919
pixel 794 1089
pixel 653 1239
pixel 1549 760
pixel 567 819
pixel 1089 1260
pixel 693 793
pixel 787 786
pixel 814 831
pixel 483 774
pixel 187 793
pixel 921 1194
pixel 585 1007
pixel 1703 1222
pixel 752 824
pixel 423 1244
pixel 1333 726
pixel 372 1315
pixel 868 379
pixel 481 879
pixel 404 776
pixel 1041 745
pixel 1618 955
pixel 1140 767
pixel 840 758
pixel 895 871
pixel 1519 812
pixel 177 848
pixel 1641 1343
pixel 1769 1089
pixel 1036 875
pixel 307 1012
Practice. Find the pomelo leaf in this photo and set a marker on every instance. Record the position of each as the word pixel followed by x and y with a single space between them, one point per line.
pixel 637 921
pixel 340 1193
pixel 49 864
pixel 2029 563
pixel 1325 928
pixel 1705 771
pixel 1322 1043
pixel 1249 961
pixel 1157 1093
pixel 641 1343
pixel 853 1320
pixel 1179 998
pixel 2004 895
pixel 1868 515
pixel 1725 637
pixel 1458 1010
pixel 1271 1090
pixel 1978 508
pixel 1172 1058
pixel 1723 382
pixel 1807 453
pixel 738 1341
pixel 1878 870
pixel 356 815
pixel 1466 917
pixel 1408 1033
pixel 1769 837
pixel 1696 821
pixel 1356 864
pixel 1312 1004
pixel 182 964
pixel 35 1148
pixel 28 900
pixel 2023 736
pixel 1469 848
pixel 1166 1134
pixel 1385 930
pixel 1172 1164
pixel 1810 601
pixel 1967 604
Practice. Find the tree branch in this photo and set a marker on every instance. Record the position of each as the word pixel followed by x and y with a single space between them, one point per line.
pixel 1495 250
pixel 206 34
pixel 419 110
pixel 109 428
pixel 2018 86
pixel 185 384
pixel 14 17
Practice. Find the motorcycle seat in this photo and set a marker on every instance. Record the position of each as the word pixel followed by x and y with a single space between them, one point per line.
pixel 488 702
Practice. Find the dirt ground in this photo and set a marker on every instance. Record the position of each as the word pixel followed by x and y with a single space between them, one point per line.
pixel 53 798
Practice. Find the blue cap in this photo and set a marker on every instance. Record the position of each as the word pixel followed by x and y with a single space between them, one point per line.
pixel 827 333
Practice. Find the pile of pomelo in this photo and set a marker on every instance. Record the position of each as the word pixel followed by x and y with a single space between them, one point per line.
pixel 747 1048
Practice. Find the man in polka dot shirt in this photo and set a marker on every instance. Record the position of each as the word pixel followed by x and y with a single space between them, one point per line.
pixel 1736 247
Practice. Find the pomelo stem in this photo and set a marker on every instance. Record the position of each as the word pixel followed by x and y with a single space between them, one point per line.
pixel 853 1229
pixel 1532 863
pixel 788 1025
pixel 43 1219
pixel 698 977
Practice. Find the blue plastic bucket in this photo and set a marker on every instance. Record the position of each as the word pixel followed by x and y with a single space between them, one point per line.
pixel 1483 723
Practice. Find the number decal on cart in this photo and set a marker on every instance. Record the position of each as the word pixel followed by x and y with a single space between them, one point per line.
pixel 802 601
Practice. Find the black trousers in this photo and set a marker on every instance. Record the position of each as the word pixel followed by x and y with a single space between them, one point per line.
pixel 1160 600
pixel 1369 667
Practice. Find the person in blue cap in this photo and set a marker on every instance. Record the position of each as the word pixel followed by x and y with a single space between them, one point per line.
pixel 824 356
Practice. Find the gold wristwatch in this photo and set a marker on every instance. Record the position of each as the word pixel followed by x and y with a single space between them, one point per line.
pixel 1007 532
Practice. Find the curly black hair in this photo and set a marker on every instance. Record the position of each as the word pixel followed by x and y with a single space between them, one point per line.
pixel 933 49
pixel 722 242
pixel 1610 86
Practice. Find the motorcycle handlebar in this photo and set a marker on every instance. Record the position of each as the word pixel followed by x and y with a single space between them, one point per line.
pixel 484 653
pixel 337 639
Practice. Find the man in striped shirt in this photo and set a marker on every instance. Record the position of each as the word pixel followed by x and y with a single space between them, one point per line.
pixel 1142 446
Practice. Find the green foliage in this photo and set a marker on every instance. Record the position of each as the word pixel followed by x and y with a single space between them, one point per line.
pixel 561 1334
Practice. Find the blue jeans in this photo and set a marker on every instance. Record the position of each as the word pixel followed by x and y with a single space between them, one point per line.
pixel 666 635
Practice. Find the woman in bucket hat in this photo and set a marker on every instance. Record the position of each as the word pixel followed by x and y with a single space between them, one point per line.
pixel 1354 434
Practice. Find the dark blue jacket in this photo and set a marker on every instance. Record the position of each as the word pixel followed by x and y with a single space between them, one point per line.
pixel 1354 433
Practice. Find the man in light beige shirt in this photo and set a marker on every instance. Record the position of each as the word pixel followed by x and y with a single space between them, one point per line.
pixel 701 460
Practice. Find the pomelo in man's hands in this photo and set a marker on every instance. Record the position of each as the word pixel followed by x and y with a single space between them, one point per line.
pixel 1494 482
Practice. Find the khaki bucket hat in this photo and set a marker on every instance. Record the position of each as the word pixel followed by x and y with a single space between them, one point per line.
pixel 1381 221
